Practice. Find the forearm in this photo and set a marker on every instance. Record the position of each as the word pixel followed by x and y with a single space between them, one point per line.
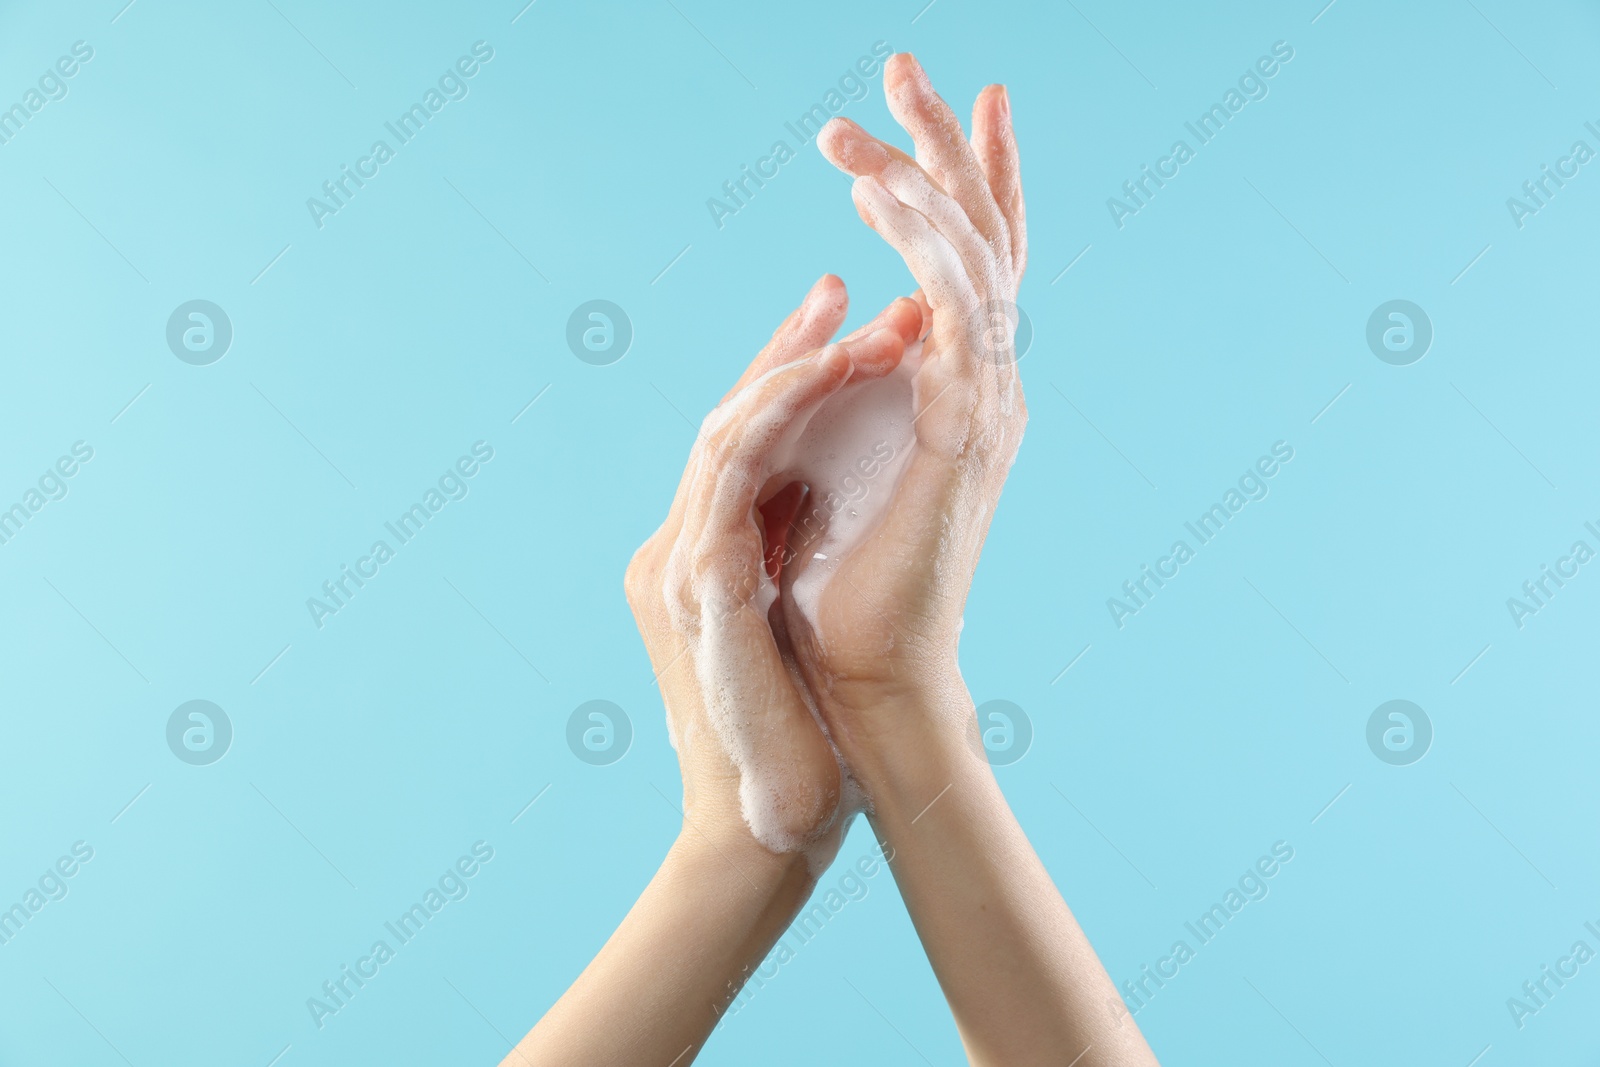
pixel 655 991
pixel 1023 983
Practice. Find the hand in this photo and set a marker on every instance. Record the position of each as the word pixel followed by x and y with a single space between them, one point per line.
pixel 888 621
pixel 756 763
pixel 762 786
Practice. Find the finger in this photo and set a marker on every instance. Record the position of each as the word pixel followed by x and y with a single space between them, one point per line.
pixel 942 148
pixel 878 353
pixel 912 187
pixel 927 254
pixel 734 469
pixel 739 435
pixel 808 328
pixel 903 316
pixel 815 322
pixel 921 300
pixel 994 142
pixel 856 152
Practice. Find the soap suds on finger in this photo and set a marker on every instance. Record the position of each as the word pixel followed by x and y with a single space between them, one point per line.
pixel 850 454
pixel 850 449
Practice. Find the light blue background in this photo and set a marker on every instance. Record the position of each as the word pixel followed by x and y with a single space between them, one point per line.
pixel 423 717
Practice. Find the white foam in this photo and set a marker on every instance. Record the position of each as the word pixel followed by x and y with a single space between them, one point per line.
pixel 851 451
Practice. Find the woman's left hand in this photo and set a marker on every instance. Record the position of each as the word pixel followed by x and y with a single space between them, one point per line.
pixel 755 760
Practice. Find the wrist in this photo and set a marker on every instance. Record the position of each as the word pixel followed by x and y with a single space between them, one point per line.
pixel 729 853
pixel 919 739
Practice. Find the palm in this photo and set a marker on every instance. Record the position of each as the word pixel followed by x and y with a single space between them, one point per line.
pixel 891 611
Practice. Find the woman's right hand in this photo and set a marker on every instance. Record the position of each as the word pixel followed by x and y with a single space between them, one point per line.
pixel 881 658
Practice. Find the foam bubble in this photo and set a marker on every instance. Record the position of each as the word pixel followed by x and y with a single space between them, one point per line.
pixel 851 454
pixel 851 451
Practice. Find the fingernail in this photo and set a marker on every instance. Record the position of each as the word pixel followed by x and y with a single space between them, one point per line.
pixel 1005 101
pixel 834 357
pixel 822 297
